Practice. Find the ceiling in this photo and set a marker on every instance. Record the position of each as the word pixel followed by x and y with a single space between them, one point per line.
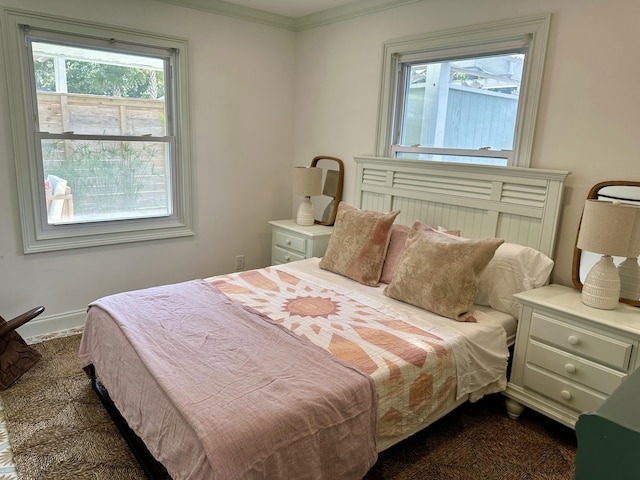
pixel 292 8
pixel 292 14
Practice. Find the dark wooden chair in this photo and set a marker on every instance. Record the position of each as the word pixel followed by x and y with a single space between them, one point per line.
pixel 16 357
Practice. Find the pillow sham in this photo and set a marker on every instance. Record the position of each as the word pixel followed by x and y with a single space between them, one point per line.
pixel 440 273
pixel 513 269
pixel 399 234
pixel 358 244
pixel 398 238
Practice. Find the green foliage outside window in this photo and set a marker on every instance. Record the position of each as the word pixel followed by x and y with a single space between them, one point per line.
pixel 101 79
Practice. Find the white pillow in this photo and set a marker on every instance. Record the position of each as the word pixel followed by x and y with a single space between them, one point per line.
pixel 513 269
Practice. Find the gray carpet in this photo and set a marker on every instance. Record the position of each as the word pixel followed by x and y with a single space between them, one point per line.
pixel 59 430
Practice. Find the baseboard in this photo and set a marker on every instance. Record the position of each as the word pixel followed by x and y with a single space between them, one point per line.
pixel 52 324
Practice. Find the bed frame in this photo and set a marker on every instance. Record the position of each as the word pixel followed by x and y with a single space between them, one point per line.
pixel 520 205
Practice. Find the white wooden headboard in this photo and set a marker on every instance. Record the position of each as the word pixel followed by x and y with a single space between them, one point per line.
pixel 520 205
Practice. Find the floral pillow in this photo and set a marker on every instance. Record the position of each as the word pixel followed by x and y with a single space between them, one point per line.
pixel 358 244
pixel 440 273
pixel 399 234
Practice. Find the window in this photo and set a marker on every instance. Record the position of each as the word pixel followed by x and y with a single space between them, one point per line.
pixel 468 95
pixel 100 136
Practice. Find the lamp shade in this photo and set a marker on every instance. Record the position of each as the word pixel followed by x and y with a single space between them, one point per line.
pixel 307 181
pixel 610 228
pixel 634 243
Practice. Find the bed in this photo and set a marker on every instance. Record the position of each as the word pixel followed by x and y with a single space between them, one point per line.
pixel 309 369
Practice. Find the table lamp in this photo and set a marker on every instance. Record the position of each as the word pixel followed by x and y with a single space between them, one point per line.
pixel 610 229
pixel 307 182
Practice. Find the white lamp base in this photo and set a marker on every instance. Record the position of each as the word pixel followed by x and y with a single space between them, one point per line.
pixel 306 215
pixel 601 288
pixel 629 271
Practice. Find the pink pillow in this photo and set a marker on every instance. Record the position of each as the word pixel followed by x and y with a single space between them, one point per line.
pixel 399 234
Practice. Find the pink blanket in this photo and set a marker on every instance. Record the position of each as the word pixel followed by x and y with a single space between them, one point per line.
pixel 264 402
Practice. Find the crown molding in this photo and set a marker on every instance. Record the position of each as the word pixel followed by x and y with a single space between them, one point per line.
pixel 325 17
pixel 221 7
pixel 345 12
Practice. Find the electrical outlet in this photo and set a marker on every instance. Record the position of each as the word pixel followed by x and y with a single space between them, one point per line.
pixel 239 263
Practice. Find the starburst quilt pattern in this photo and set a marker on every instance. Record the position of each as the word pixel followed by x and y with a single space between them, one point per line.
pixel 413 370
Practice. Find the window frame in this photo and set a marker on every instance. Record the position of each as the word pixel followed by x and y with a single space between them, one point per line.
pixel 37 234
pixel 475 40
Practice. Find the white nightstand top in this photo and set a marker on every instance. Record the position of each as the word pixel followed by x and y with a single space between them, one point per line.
pixel 310 231
pixel 567 300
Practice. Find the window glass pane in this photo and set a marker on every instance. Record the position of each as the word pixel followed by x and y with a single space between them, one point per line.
pixel 502 162
pixel 467 103
pixel 97 92
pixel 90 91
pixel 90 181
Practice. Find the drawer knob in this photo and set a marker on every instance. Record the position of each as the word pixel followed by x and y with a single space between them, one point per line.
pixel 570 368
pixel 573 340
pixel 565 394
pixel 287 241
pixel 287 258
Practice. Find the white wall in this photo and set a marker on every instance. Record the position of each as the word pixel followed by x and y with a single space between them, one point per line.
pixel 264 99
pixel 241 76
pixel 588 122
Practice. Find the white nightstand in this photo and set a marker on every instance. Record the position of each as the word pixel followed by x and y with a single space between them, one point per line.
pixel 291 242
pixel 568 357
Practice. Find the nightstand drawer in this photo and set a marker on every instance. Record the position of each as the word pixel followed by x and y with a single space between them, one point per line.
pixel 567 393
pixel 605 349
pixel 280 255
pixel 574 368
pixel 290 242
